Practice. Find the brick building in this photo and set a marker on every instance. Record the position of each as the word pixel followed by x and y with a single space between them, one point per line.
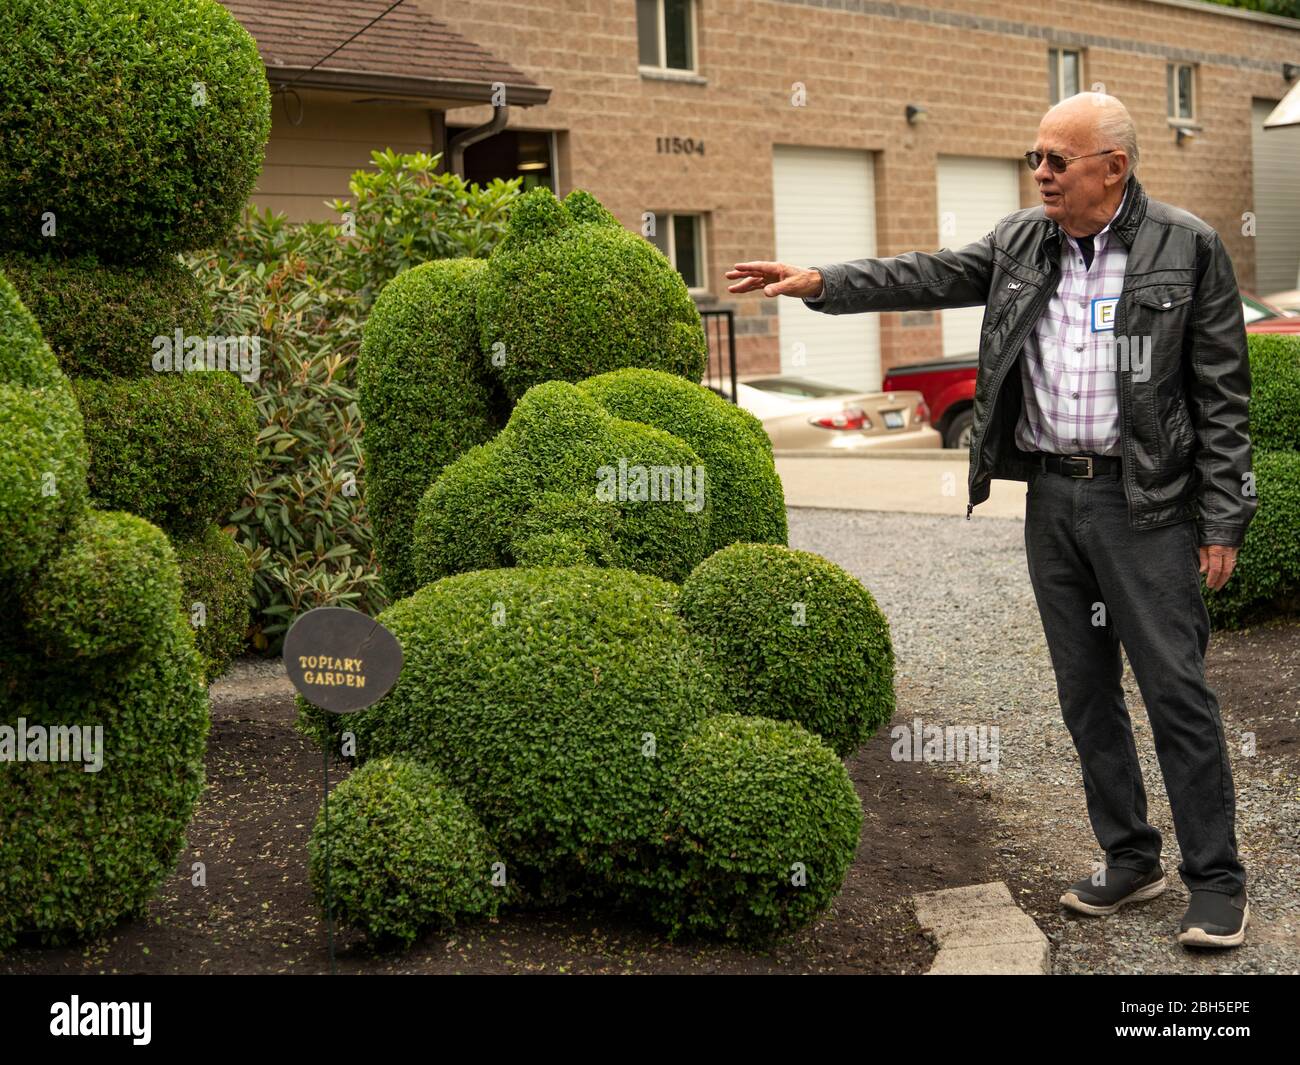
pixel 808 131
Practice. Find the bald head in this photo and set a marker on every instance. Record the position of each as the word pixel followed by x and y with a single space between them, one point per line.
pixel 1096 132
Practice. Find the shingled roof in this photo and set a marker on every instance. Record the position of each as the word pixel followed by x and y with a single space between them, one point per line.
pixel 407 52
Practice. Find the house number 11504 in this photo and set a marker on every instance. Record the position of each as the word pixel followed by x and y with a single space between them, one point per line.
pixel 678 146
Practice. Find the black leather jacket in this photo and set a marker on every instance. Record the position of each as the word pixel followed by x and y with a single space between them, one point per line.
pixel 1183 429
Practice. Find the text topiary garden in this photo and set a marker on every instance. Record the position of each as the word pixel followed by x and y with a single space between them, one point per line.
pixel 602 618
pixel 134 129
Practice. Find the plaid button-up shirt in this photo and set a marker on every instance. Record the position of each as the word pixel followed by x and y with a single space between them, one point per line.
pixel 1071 403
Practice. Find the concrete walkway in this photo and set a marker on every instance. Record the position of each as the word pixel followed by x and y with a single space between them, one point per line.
pixel 916 482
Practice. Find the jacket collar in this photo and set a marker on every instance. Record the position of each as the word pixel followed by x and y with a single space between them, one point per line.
pixel 1126 223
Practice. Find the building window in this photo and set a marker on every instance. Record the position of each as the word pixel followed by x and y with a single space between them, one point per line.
pixel 681 238
pixel 1179 80
pixel 665 31
pixel 1064 73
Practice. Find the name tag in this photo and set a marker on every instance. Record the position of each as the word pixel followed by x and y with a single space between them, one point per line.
pixel 1103 314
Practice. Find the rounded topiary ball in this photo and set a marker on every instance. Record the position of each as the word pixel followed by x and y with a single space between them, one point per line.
pixel 761 825
pixel 405 854
pixel 175 448
pixel 560 444
pixel 130 126
pixel 802 640
pixel 102 320
pixel 569 292
pixel 216 576
pixel 110 592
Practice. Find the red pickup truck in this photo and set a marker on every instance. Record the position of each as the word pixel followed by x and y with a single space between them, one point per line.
pixel 948 385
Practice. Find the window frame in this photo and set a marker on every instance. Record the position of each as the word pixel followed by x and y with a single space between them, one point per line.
pixel 668 219
pixel 662 44
pixel 1172 69
pixel 1056 92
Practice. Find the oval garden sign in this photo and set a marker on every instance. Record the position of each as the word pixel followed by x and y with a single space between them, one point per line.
pixel 341 660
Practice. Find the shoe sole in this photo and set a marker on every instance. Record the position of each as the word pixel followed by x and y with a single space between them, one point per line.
pixel 1199 937
pixel 1071 901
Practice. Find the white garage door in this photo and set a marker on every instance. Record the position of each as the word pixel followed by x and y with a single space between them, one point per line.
pixel 1277 203
pixel 974 195
pixel 825 205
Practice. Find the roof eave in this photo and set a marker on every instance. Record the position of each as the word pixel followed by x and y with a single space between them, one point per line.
pixel 471 92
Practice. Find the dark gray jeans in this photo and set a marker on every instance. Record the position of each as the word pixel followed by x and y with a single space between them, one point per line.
pixel 1082 554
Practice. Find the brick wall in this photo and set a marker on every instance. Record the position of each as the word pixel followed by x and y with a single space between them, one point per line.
pixel 980 69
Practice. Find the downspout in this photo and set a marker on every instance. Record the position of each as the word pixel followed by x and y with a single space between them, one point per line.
pixel 456 147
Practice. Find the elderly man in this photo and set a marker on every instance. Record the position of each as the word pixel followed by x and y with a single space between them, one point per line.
pixel 1127 419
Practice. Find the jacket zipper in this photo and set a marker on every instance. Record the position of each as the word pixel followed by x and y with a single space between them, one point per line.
pixel 1044 297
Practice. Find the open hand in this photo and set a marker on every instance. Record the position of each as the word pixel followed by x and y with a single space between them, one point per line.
pixel 776 279
pixel 1216 564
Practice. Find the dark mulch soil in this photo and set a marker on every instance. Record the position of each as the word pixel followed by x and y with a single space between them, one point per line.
pixel 256 914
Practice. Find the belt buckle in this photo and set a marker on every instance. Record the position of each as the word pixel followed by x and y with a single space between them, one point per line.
pixel 1083 458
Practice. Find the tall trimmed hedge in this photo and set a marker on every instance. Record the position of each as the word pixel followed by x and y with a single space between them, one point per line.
pixel 92 638
pixel 424 395
pixel 139 125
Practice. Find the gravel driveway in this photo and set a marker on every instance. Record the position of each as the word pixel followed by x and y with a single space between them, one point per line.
pixel 971 652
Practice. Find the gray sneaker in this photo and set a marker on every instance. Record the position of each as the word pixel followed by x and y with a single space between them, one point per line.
pixel 1214 919
pixel 1118 886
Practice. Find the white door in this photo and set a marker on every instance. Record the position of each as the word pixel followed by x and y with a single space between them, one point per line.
pixel 825 205
pixel 1276 155
pixel 974 195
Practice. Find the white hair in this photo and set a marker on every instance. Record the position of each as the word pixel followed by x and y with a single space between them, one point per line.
pixel 1114 125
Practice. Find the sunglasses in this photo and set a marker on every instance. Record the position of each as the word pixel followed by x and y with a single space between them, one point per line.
pixel 1056 161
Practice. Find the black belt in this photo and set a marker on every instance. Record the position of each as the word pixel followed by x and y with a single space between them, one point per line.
pixel 1077 465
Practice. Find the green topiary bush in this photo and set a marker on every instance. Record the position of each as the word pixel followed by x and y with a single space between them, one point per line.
pixel 405 854
pixel 570 293
pixel 803 640
pixel 92 639
pixel 553 700
pixel 1274 392
pixel 43 475
pixel 1266 578
pixel 424 396
pixel 216 577
pixel 139 124
pixel 175 449
pixel 113 591
pixel 760 828
pixel 101 320
pixel 748 501
pixel 556 444
pixel 84 849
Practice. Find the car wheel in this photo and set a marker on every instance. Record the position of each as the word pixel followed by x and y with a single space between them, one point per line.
pixel 958 432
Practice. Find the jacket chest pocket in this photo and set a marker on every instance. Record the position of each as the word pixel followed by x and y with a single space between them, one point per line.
pixel 1162 311
pixel 1011 292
